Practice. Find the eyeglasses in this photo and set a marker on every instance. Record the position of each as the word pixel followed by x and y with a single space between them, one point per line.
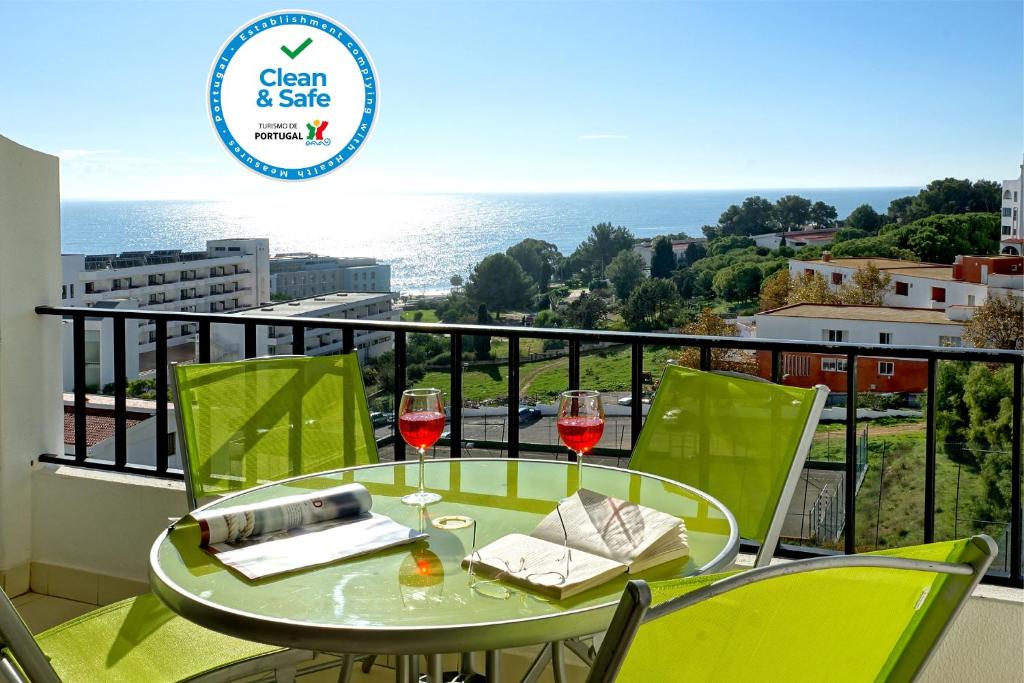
pixel 494 588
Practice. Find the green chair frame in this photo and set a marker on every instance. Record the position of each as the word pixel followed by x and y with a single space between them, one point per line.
pixel 942 587
pixel 276 417
pixel 666 420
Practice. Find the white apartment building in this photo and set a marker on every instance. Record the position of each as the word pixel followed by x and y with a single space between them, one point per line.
pixel 300 275
pixel 795 238
pixel 1011 234
pixel 228 341
pixel 229 275
pixel 864 325
pixel 968 282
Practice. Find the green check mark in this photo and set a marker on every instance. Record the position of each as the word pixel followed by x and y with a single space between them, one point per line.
pixel 297 51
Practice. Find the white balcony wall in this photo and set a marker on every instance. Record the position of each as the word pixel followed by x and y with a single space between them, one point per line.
pixel 30 356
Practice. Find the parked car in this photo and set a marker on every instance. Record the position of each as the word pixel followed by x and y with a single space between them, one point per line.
pixel 378 419
pixel 528 415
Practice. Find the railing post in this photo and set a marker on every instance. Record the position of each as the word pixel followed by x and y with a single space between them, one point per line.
pixel 78 349
pixel 636 378
pixel 1016 530
pixel 850 522
pixel 348 340
pixel 705 358
pixel 298 340
pixel 929 453
pixel 161 395
pixel 455 397
pixel 250 340
pixel 204 341
pixel 574 363
pixel 399 443
pixel 776 366
pixel 513 396
pixel 120 396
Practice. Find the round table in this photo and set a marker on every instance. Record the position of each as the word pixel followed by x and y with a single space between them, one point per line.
pixel 418 599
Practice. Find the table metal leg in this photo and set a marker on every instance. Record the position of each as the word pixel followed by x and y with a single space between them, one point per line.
pixel 493 665
pixel 558 662
pixel 581 650
pixel 435 671
pixel 345 675
pixel 466 664
pixel 540 662
pixel 403 669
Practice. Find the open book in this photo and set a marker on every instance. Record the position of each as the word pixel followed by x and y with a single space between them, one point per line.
pixel 588 539
pixel 294 532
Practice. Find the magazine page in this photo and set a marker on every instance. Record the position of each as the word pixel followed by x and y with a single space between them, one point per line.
pixel 241 522
pixel 616 529
pixel 309 546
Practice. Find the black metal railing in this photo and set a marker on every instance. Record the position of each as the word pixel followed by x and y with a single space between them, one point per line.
pixel 636 342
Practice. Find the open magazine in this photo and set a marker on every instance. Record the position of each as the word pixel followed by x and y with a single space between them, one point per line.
pixel 294 532
pixel 587 540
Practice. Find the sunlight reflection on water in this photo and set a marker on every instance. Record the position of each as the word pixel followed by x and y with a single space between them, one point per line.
pixel 426 238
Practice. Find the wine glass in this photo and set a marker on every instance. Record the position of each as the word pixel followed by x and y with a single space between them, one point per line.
pixel 580 423
pixel 421 421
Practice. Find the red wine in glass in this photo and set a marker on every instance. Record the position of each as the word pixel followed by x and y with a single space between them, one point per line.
pixel 580 423
pixel 420 422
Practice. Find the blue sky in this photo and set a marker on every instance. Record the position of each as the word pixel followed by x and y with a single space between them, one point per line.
pixel 548 96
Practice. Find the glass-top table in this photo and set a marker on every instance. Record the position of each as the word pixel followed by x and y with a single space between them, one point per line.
pixel 418 599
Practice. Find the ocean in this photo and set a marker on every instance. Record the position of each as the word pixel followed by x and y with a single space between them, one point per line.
pixel 426 238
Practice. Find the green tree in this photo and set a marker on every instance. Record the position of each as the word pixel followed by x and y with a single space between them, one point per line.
pixel 947 196
pixel 846 234
pixel 547 318
pixel 454 308
pixel 538 259
pixel 500 283
pixel 723 245
pixel 482 344
pixel 823 215
pixel 997 324
pixel 663 259
pixel 695 251
pixel 651 306
pixel 739 282
pixel 626 271
pixel 601 246
pixel 586 312
pixel 867 287
pixel 865 218
pixel 811 288
pixel 793 212
pixel 755 216
pixel 774 291
pixel 941 238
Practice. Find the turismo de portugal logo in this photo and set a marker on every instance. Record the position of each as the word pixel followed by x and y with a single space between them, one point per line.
pixel 292 95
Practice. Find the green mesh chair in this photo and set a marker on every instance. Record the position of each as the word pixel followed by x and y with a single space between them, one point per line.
pixel 131 641
pixel 250 422
pixel 871 617
pixel 742 440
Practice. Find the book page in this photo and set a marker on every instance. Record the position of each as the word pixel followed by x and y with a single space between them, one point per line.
pixel 616 529
pixel 549 568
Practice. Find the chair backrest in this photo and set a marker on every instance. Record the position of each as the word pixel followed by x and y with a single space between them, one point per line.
pixel 21 658
pixel 741 440
pixel 870 617
pixel 250 422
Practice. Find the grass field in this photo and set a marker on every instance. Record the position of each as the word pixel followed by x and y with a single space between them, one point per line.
pixel 429 316
pixel 890 503
pixel 544 380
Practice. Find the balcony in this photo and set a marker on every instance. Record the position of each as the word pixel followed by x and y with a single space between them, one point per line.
pixel 79 521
